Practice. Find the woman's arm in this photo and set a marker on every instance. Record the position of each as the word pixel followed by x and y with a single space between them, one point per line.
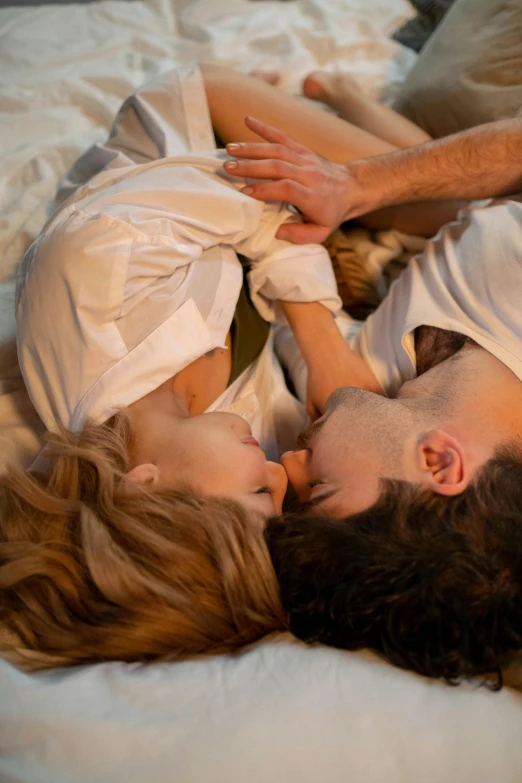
pixel 329 360
pixel 478 163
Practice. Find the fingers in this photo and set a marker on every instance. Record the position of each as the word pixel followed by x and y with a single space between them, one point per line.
pixel 303 233
pixel 264 169
pixel 280 190
pixel 292 193
pixel 269 133
pixel 260 151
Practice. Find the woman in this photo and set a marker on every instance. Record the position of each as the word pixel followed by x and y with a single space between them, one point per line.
pixel 139 533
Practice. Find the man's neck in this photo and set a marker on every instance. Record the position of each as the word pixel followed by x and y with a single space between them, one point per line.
pixel 470 390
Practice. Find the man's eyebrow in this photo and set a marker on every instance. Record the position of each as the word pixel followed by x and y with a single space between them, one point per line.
pixel 307 505
pixel 305 437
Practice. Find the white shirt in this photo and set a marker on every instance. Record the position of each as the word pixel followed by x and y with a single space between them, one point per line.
pixel 468 280
pixel 137 276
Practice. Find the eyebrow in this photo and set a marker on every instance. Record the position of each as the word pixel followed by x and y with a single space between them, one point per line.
pixel 304 437
pixel 307 505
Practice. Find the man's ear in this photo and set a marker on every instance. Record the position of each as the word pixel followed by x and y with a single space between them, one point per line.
pixel 144 474
pixel 443 464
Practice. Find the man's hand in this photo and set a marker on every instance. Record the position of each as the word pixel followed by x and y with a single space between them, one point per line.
pixel 325 193
pixel 481 162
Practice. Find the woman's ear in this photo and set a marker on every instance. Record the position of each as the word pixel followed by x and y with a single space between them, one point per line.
pixel 443 464
pixel 144 474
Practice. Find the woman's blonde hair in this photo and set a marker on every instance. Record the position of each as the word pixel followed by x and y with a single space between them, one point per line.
pixel 94 567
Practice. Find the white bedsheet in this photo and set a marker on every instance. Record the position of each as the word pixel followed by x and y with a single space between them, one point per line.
pixel 280 713
pixel 64 71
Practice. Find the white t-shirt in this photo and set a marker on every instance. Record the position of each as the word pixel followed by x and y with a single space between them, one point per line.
pixel 467 280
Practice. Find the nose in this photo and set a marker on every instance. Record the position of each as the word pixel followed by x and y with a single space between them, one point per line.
pixel 278 482
pixel 296 465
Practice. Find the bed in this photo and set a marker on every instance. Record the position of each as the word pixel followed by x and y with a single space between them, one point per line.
pixel 280 711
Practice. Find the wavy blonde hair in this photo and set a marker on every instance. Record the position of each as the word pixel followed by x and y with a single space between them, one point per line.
pixel 96 568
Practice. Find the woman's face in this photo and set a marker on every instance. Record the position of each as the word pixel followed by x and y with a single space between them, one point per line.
pixel 214 454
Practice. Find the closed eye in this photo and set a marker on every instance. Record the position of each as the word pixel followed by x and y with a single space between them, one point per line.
pixel 312 484
pixel 308 505
pixel 264 491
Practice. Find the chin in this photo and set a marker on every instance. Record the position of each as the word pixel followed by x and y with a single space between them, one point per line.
pixel 347 396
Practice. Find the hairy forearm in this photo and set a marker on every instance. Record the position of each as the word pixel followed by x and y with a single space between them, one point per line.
pixel 479 163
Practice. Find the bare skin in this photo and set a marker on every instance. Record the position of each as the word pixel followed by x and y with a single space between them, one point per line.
pixel 417 186
pixel 175 413
pixel 176 442
pixel 232 96
pixel 342 93
pixel 362 438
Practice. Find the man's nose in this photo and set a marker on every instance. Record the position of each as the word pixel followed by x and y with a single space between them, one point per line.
pixel 278 480
pixel 297 469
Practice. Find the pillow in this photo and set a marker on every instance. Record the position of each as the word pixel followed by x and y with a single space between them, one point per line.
pixel 470 71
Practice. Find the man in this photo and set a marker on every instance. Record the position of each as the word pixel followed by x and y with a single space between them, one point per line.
pixel 426 562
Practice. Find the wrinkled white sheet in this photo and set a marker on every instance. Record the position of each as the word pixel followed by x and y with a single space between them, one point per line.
pixel 281 713
pixel 64 71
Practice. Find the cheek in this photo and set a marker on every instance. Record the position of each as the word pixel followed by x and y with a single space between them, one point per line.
pixel 233 470
pixel 342 464
pixel 359 494
pixel 329 456
pixel 202 461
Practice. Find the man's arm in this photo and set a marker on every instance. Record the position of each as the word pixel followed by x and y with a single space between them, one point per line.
pixel 482 162
pixel 330 362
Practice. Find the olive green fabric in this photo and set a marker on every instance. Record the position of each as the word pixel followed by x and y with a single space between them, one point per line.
pixel 249 334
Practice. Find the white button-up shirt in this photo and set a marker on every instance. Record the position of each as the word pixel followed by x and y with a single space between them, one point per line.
pixel 137 276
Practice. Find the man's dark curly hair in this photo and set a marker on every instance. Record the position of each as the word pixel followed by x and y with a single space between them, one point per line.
pixel 433 583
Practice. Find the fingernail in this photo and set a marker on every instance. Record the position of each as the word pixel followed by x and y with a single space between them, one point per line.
pixel 232 147
pixel 230 164
pixel 248 191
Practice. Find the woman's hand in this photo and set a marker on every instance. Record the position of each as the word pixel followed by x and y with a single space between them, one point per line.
pixel 325 193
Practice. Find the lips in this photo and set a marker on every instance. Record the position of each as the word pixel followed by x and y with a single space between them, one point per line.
pixel 250 441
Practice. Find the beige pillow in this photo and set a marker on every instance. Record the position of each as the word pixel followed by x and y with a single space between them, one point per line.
pixel 470 71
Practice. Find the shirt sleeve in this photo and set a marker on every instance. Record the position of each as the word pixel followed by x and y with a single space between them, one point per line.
pixel 140 270
pixel 192 206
